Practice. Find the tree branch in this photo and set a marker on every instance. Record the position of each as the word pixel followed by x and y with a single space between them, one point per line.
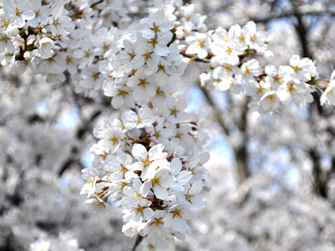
pixel 73 158
pixel 193 58
pixel 95 4
pixel 240 152
pixel 137 242
pixel 215 110
pixel 288 14
pixel 315 109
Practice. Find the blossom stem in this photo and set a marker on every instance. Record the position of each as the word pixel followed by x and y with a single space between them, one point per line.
pixel 137 242
pixel 95 4
pixel 195 58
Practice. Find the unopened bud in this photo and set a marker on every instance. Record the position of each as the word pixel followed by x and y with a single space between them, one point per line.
pixel 37 30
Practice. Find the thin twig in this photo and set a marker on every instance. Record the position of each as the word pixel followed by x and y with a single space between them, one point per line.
pixel 195 58
pixel 215 109
pixel 137 242
pixel 287 14
pixel 95 4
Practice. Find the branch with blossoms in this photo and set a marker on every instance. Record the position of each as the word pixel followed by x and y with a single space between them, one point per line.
pixel 230 69
pixel 227 54
pixel 150 159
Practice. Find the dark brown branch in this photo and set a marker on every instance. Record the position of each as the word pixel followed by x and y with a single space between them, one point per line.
pixel 240 152
pixel 215 110
pixel 320 183
pixel 87 126
pixel 302 34
pixel 288 14
pixel 315 109
pixel 93 5
pixel 73 158
pixel 137 242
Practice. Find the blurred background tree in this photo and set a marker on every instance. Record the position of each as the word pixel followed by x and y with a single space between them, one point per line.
pixel 273 176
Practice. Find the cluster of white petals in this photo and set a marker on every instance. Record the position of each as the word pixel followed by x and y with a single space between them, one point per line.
pixel 58 37
pixel 150 160
pixel 76 39
pixel 230 68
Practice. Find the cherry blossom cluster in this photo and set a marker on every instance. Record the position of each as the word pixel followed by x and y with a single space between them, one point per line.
pixel 54 37
pixel 76 37
pixel 150 159
pixel 230 68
